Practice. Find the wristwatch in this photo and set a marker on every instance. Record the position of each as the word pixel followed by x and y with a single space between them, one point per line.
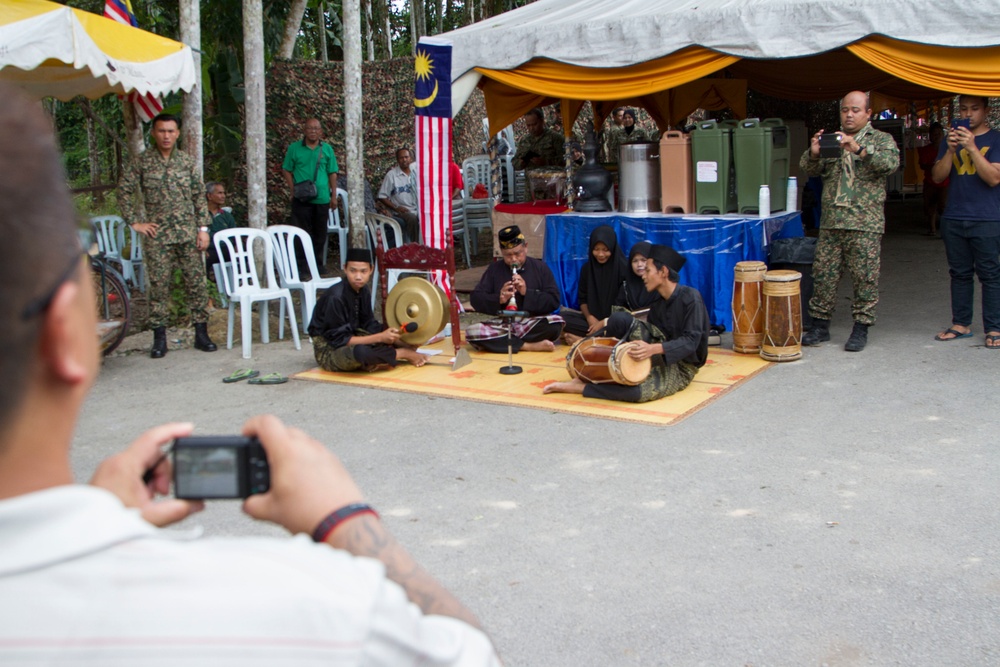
pixel 860 148
pixel 203 229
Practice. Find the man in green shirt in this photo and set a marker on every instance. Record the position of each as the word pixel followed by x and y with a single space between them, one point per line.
pixel 311 159
pixel 541 147
pixel 174 230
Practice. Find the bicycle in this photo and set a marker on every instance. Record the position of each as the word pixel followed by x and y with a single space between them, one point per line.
pixel 114 309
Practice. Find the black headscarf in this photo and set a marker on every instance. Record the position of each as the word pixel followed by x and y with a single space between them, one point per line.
pixel 633 294
pixel 628 128
pixel 599 283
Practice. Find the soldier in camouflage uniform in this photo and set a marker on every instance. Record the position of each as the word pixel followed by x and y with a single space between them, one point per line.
pixel 541 147
pixel 175 229
pixel 853 219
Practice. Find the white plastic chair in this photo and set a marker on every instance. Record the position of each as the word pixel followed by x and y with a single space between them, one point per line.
pixel 110 236
pixel 392 237
pixel 284 238
pixel 137 267
pixel 244 286
pixel 334 225
pixel 478 212
pixel 458 226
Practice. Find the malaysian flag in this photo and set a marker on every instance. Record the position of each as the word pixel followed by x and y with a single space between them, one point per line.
pixel 148 105
pixel 432 104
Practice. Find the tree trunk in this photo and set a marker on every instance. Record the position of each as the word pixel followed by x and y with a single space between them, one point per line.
pixel 292 25
pixel 93 155
pixel 256 130
pixel 370 31
pixel 353 122
pixel 321 21
pixel 388 29
pixel 191 114
pixel 133 130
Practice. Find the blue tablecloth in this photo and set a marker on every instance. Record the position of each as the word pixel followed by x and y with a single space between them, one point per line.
pixel 711 244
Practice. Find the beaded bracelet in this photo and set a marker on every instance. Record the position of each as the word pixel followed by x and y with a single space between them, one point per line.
pixel 337 517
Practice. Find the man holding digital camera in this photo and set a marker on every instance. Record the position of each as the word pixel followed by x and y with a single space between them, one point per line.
pixel 86 575
pixel 853 218
pixel 970 224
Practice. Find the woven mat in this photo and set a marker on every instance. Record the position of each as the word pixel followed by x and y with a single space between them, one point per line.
pixel 482 381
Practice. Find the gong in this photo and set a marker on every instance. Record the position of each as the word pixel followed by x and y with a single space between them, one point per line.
pixel 415 299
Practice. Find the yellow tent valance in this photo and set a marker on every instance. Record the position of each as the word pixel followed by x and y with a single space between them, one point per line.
pixel 901 70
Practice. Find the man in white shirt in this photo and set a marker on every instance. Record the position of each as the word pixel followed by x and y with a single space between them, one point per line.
pixel 86 574
pixel 398 194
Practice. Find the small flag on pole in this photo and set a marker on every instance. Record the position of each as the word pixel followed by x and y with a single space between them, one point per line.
pixel 432 105
pixel 146 106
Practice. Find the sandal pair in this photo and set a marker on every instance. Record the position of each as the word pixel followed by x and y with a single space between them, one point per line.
pixel 252 377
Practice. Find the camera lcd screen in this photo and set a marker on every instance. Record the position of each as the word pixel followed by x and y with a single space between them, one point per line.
pixel 207 472
pixel 829 144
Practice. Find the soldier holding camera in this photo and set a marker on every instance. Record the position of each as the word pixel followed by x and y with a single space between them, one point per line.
pixel 853 218
pixel 86 574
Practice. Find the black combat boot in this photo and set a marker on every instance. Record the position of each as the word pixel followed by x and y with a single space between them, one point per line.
pixel 159 343
pixel 858 339
pixel 201 340
pixel 820 332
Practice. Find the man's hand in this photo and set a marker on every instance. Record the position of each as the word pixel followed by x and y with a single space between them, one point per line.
pixel 146 228
pixel 122 475
pixel 518 282
pixel 506 292
pixel 962 138
pixel 307 481
pixel 389 336
pixel 642 350
pixel 202 242
pixel 814 144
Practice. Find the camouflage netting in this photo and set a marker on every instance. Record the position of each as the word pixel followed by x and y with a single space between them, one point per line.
pixel 298 90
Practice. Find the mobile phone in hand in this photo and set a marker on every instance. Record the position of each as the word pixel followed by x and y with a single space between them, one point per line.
pixel 961 122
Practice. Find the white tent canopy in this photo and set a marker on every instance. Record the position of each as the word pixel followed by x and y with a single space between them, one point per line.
pixel 593 34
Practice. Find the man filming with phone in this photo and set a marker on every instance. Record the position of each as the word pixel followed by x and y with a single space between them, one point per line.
pixel 970 225
pixel 86 574
pixel 853 218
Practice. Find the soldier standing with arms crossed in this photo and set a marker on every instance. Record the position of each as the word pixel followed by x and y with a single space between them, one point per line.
pixel 175 229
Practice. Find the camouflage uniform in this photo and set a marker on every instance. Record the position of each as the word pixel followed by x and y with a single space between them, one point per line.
pixel 852 223
pixel 174 199
pixel 616 136
pixel 549 146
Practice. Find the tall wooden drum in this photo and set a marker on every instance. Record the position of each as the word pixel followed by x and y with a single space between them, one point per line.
pixel 782 316
pixel 748 306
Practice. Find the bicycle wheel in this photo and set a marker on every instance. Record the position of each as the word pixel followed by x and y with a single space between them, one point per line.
pixel 114 312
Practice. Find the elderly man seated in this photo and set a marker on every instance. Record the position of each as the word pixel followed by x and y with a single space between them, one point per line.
pixel 519 283
pixel 398 195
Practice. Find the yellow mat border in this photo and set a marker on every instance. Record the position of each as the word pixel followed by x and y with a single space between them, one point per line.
pixel 561 403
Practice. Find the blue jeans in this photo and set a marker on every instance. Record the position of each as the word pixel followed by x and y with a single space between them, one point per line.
pixel 973 247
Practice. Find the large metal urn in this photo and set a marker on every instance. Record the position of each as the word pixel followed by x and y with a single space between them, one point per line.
pixel 639 177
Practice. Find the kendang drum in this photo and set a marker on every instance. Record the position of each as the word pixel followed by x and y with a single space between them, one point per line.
pixel 603 359
pixel 782 316
pixel 748 306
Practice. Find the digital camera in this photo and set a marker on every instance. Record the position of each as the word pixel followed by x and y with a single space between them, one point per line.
pixel 829 144
pixel 221 466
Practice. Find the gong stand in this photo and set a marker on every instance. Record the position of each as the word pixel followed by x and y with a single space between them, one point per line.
pixel 509 315
pixel 419 258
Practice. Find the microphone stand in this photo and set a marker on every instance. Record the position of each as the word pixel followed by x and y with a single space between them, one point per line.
pixel 509 315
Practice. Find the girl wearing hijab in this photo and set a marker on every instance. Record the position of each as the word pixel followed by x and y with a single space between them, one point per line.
pixel 633 295
pixel 600 280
